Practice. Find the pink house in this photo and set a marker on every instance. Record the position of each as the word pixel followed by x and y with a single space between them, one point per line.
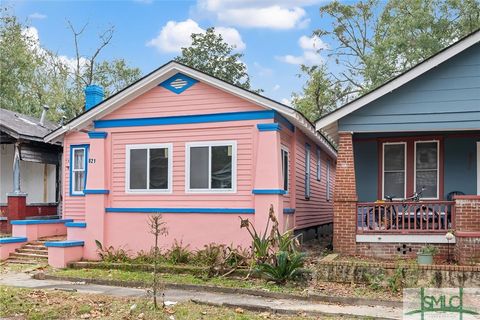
pixel 196 149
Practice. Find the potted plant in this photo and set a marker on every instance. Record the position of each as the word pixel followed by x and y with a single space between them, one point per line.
pixel 426 253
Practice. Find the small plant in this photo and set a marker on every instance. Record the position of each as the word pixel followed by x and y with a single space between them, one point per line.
pixel 178 254
pixel 110 254
pixel 375 281
pixel 285 266
pixel 428 250
pixel 211 255
pixel 157 228
pixel 237 257
pixel 260 242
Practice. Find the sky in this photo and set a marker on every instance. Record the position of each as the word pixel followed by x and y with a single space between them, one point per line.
pixel 274 36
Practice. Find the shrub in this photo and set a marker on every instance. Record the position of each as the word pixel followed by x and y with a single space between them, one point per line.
pixel 211 255
pixel 110 254
pixel 178 253
pixel 285 266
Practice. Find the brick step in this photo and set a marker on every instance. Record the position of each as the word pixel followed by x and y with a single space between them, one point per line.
pixel 33 251
pixel 27 256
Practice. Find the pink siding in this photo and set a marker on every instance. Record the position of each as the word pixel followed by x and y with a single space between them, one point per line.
pixel 317 210
pixel 242 132
pixel 73 207
pixel 199 99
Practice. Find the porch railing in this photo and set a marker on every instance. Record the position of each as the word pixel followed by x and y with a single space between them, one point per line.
pixel 405 217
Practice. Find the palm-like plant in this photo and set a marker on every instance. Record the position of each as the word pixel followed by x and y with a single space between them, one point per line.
pixel 286 266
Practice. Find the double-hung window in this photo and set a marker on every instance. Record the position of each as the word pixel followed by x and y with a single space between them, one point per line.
pixel 328 186
pixel 319 165
pixel 285 168
pixel 78 169
pixel 211 166
pixel 427 168
pixel 307 171
pixel 149 168
pixel 394 169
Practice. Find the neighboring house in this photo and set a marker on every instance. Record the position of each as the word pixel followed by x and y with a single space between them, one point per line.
pixel 199 151
pixel 29 168
pixel 419 130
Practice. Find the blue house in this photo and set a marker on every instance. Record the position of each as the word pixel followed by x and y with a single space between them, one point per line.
pixel 408 152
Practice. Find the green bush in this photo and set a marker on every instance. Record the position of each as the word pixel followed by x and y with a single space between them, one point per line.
pixel 285 266
pixel 110 254
pixel 178 254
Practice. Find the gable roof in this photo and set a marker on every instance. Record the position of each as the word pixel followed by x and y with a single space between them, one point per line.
pixel 18 125
pixel 328 124
pixel 170 69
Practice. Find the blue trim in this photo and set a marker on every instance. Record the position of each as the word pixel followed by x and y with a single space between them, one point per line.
pixel 289 210
pixel 97 134
pixel 268 127
pixel 96 191
pixel 38 221
pixel 13 240
pixel 86 147
pixel 287 124
pixel 200 118
pixel 76 224
pixel 65 244
pixel 268 191
pixel 183 210
pixel 179 76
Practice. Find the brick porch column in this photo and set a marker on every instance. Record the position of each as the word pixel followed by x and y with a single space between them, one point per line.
pixel 345 197
pixel 467 229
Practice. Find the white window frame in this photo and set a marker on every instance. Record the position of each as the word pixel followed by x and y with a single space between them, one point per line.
pixel 85 164
pixel 129 147
pixel 404 143
pixel 210 144
pixel 415 168
pixel 285 149
pixel 478 168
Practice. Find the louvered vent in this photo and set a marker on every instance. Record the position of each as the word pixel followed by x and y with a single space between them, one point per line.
pixel 178 83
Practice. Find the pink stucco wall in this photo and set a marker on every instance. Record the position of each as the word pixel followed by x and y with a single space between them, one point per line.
pixel 258 167
pixel 7 248
pixel 59 257
pixel 36 231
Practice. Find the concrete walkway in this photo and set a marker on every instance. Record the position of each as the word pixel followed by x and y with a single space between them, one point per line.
pixel 248 302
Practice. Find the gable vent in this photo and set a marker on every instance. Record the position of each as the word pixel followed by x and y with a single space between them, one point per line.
pixel 178 83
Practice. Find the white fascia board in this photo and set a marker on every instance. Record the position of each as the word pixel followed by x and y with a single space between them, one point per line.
pixel 398 82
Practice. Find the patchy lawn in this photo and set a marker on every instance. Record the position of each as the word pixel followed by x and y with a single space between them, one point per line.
pixel 47 304
pixel 146 277
pixel 316 287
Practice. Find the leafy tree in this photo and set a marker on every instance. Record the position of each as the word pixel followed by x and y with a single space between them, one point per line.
pixel 373 41
pixel 32 76
pixel 211 54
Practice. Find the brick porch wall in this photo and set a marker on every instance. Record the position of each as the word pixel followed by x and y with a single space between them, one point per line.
pixel 391 250
pixel 467 229
pixel 345 197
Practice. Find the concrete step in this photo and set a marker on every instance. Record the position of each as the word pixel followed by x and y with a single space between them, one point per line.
pixel 10 260
pixel 35 247
pixel 27 256
pixel 33 251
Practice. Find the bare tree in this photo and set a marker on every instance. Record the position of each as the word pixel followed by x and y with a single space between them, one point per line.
pixel 157 228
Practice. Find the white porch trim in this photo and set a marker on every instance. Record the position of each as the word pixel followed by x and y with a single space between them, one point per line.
pixel 402 238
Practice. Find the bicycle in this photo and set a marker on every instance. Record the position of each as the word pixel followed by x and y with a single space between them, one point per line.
pixel 387 217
